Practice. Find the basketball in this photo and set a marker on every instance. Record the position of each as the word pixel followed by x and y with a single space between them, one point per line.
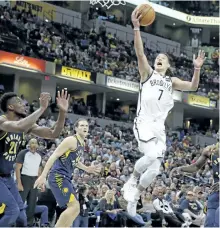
pixel 148 14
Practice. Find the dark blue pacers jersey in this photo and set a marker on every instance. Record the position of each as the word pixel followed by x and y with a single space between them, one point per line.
pixel 65 164
pixel 215 165
pixel 9 146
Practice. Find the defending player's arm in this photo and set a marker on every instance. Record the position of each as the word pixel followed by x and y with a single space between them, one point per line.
pixel 27 122
pixel 69 143
pixel 143 65
pixel 51 133
pixel 197 165
pixel 179 84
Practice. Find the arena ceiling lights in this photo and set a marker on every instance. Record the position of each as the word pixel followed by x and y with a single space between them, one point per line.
pixel 196 20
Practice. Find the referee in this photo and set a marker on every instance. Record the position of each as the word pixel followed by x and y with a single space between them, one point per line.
pixel 28 168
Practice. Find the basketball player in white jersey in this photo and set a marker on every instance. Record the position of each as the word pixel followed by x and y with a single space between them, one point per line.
pixel 154 103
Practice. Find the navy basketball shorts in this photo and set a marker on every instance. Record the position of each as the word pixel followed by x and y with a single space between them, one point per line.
pixel 9 194
pixel 212 210
pixel 62 189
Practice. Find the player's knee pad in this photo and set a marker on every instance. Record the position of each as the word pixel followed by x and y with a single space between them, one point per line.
pixel 148 176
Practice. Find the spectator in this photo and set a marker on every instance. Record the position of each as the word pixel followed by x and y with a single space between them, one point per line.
pixel 41 212
pixel 193 208
pixel 82 220
pixel 109 208
pixel 103 191
pixel 28 168
pixel 161 205
pixel 125 175
pixel 148 207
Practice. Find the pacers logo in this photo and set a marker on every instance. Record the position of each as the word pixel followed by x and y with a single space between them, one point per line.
pixel 13 142
pixel 65 191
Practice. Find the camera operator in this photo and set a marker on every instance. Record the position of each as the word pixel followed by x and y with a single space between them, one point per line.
pixel 82 219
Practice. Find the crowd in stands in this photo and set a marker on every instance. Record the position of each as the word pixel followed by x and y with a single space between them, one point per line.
pixel 115 148
pixel 196 8
pixel 96 51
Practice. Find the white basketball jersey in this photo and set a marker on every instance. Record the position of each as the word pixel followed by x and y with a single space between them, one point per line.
pixel 155 98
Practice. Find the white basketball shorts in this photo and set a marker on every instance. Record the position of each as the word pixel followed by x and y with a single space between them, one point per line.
pixel 146 131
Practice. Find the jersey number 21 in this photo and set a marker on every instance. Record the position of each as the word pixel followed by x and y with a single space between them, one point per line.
pixel 13 147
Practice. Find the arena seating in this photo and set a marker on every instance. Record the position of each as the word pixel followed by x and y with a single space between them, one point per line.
pixel 193 7
pixel 94 50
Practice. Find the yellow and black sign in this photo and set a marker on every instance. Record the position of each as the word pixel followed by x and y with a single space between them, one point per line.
pixel 39 8
pixel 75 73
pixel 198 100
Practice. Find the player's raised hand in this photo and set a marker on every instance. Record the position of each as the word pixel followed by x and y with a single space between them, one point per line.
pixel 63 100
pixel 40 183
pixel 135 17
pixel 198 62
pixel 44 100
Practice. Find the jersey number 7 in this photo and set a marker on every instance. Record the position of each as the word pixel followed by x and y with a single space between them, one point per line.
pixel 161 93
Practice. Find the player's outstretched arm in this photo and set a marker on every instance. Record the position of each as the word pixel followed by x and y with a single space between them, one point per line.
pixel 178 84
pixel 49 133
pixel 69 143
pixel 26 123
pixel 197 165
pixel 143 65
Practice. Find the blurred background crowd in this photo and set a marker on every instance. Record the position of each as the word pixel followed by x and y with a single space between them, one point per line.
pixel 97 51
